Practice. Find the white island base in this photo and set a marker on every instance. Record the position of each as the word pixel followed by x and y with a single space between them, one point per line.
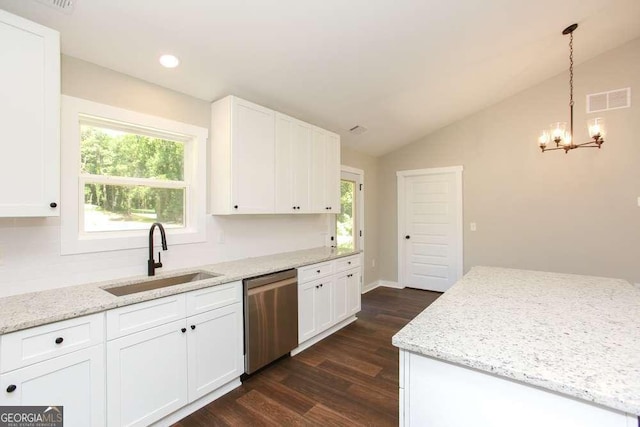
pixel 434 393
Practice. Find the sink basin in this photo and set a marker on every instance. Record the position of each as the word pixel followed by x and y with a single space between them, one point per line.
pixel 158 283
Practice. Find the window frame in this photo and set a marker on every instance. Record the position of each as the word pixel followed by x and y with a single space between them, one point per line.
pixel 77 111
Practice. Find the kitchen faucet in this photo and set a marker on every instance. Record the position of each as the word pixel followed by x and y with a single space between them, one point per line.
pixel 152 264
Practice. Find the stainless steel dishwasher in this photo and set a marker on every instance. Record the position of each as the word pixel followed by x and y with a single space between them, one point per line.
pixel 270 318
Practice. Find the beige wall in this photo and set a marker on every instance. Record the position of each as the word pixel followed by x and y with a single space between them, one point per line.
pixel 89 81
pixel 369 165
pixel 574 213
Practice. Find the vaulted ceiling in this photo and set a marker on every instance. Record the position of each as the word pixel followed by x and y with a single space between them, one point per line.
pixel 401 68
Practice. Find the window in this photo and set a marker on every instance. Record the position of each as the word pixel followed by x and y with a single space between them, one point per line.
pixel 123 171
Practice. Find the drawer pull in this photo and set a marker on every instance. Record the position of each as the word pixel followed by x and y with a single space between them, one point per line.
pixel 349 262
pixel 318 271
pixel 59 340
pixel 183 330
pixel 11 388
pixel 193 327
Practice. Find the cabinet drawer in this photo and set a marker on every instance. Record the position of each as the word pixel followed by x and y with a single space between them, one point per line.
pixel 138 317
pixel 315 271
pixel 23 348
pixel 343 264
pixel 214 297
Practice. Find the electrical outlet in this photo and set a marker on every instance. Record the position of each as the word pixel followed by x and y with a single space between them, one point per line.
pixel 473 226
pixel 373 262
pixel 638 201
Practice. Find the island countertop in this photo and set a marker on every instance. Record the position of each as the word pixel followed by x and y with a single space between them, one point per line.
pixel 576 335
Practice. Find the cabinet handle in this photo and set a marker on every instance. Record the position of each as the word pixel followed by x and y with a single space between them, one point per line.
pixel 53 205
pixel 235 206
pixel 320 284
pixel 193 327
pixel 318 271
pixel 183 330
pixel 407 237
pixel 349 262
pixel 11 388
pixel 59 340
pixel 298 207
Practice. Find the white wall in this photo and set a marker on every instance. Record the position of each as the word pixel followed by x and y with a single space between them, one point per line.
pixel 30 257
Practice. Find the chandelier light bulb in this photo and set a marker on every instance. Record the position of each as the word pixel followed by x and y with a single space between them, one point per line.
pixel 596 128
pixel 544 139
pixel 558 131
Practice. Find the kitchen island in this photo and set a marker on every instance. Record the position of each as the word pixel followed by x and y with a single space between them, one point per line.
pixel 508 347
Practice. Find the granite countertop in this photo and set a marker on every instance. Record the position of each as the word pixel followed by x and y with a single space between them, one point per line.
pixel 576 335
pixel 38 308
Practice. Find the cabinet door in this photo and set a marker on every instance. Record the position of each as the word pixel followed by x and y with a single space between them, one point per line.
pixel 29 118
pixel 147 375
pixel 284 173
pixel 332 189
pixel 302 166
pixel 74 381
pixel 293 162
pixel 354 293
pixel 215 349
pixel 323 304
pixel 319 171
pixel 306 311
pixel 340 296
pixel 253 158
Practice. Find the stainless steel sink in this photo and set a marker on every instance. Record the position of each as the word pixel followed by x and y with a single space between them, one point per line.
pixel 158 283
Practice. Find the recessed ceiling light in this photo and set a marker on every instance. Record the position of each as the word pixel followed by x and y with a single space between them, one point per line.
pixel 169 61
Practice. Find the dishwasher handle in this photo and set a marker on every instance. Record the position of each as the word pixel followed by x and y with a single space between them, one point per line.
pixel 271 286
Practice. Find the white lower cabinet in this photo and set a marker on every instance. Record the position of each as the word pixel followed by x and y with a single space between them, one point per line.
pixel 157 371
pixel 215 349
pixel 324 302
pixel 147 375
pixel 75 381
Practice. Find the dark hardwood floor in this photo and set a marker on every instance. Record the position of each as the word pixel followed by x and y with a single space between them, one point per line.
pixel 349 378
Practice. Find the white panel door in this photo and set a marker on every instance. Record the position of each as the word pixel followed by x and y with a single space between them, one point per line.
pixel 253 153
pixel 215 349
pixel 147 375
pixel 74 381
pixel 432 231
pixel 306 311
pixel 29 118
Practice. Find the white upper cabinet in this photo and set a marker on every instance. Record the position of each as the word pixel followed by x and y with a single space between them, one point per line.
pixel 264 162
pixel 293 165
pixel 29 118
pixel 325 171
pixel 242 158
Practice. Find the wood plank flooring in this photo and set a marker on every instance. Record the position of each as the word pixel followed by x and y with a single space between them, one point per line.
pixel 349 378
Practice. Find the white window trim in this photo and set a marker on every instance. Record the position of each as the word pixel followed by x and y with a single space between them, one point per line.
pixel 195 138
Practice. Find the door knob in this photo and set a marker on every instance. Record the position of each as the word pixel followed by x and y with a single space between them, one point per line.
pixel 407 237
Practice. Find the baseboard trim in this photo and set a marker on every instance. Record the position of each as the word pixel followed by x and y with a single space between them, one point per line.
pixel 194 406
pixel 322 335
pixel 385 283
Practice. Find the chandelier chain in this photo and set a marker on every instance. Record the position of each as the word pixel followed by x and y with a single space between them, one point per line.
pixel 571 69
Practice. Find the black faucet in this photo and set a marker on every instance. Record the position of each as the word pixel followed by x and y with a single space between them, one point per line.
pixel 152 264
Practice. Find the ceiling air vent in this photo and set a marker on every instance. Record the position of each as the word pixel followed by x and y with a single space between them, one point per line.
pixel 64 6
pixel 358 130
pixel 611 100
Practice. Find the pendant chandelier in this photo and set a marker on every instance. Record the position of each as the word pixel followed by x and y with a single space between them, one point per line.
pixel 558 132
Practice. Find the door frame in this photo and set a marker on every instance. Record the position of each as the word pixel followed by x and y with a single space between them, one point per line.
pixel 401 177
pixel 359 203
